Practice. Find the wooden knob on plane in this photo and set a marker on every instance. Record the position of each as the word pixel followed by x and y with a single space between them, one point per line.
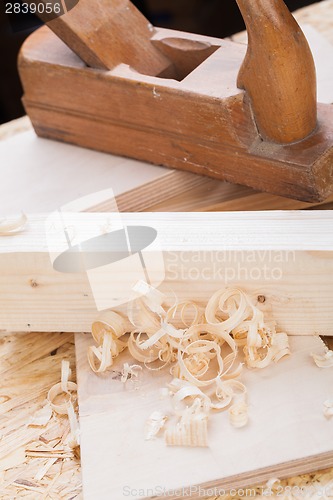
pixel 278 72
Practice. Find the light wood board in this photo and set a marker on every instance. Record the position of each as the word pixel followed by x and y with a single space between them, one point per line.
pixel 287 433
pixel 287 256
pixel 39 175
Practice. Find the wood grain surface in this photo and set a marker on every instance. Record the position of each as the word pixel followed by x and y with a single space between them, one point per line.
pixel 286 435
pixel 286 256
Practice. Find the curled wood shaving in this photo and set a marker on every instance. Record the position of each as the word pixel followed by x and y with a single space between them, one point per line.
pixel 13 227
pixel 101 354
pixel 201 346
pixel 328 408
pixel 183 392
pixel 154 425
pixel 238 414
pixel 56 390
pixel 151 297
pixel 66 373
pixel 234 311
pixel 130 372
pixel 324 360
pixel 69 389
pixel 74 437
pixel 274 481
pixel 106 332
pixel 280 346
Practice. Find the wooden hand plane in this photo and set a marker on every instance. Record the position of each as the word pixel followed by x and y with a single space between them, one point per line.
pixel 104 78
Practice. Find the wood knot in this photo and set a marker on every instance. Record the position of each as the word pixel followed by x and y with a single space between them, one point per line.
pixel 33 283
pixel 261 299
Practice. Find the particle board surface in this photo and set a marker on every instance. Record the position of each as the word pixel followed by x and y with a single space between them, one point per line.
pixel 35 461
pixel 287 433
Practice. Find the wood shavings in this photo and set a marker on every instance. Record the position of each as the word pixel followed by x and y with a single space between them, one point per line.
pixel 324 360
pixel 238 414
pixel 280 346
pixel 191 430
pixel 273 482
pixel 106 332
pixel 102 354
pixel 10 228
pixel 66 372
pixel 200 345
pixel 183 391
pixel 55 391
pixel 130 372
pixel 154 425
pixel 151 297
pixel 328 408
pixel 74 436
pixel 66 407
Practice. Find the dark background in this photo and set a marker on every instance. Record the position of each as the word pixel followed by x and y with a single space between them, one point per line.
pixel 218 18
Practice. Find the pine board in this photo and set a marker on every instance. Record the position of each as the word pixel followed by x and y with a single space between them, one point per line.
pixel 287 256
pixel 287 433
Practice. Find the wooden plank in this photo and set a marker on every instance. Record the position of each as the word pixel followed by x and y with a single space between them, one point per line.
pixel 213 196
pixel 40 175
pixel 286 435
pixel 287 256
